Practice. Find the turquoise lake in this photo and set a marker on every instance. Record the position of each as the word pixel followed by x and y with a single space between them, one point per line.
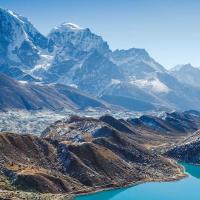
pixel 185 189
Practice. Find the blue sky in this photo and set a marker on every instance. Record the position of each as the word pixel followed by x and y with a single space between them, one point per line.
pixel 168 29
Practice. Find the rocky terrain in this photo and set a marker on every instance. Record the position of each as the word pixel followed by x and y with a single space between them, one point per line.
pixel 187 150
pixel 80 155
pixel 19 195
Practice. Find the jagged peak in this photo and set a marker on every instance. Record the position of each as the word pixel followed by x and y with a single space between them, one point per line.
pixel 23 21
pixel 183 66
pixel 68 26
pixel 131 51
pixel 14 15
pixel 85 40
pixel 71 26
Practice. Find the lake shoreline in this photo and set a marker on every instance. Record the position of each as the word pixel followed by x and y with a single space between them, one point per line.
pixel 72 196
pixel 180 175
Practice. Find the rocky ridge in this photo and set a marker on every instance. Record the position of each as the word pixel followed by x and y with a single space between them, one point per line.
pixel 105 153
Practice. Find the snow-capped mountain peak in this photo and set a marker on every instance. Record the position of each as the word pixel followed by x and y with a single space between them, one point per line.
pixel 81 38
pixel 20 42
pixel 71 26
pixel 182 67
pixel 66 27
pixel 136 63
pixel 14 15
pixel 187 74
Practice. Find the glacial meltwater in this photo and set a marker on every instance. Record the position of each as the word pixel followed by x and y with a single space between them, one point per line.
pixel 185 189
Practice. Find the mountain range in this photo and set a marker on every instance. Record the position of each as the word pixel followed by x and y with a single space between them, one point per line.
pixel 75 56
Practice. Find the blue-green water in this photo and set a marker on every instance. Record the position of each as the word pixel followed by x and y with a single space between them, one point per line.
pixel 185 189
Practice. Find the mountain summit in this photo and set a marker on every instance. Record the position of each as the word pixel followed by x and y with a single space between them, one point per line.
pixel 81 39
pixel 21 43
pixel 187 74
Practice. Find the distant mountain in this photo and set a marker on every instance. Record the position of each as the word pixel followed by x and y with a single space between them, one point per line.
pixel 174 123
pixel 179 95
pixel 35 96
pixel 76 51
pixel 75 56
pixel 160 89
pixel 79 48
pixel 187 74
pixel 135 63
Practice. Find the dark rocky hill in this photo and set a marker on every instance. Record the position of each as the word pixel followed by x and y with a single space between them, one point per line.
pixel 34 96
pixel 187 150
pixel 79 155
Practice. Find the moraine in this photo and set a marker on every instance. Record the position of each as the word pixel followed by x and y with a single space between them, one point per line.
pixel 187 188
